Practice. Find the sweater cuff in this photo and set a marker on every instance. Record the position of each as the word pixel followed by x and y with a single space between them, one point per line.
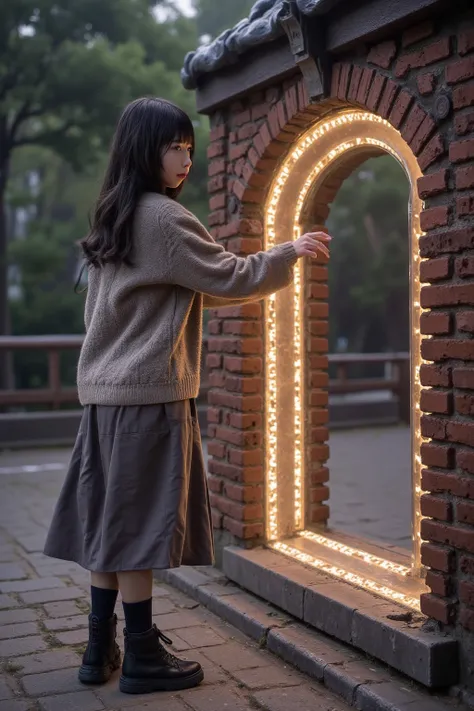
pixel 289 253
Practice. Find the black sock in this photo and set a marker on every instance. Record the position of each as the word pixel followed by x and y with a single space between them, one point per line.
pixel 103 602
pixel 138 616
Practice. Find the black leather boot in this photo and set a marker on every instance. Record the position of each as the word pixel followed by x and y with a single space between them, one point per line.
pixel 148 666
pixel 102 655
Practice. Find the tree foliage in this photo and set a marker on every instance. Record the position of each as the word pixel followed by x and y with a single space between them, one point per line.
pixel 215 17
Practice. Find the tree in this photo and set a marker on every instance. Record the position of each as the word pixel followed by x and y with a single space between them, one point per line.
pixel 66 71
pixel 214 17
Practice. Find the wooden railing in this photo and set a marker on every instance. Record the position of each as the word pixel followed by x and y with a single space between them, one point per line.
pixel 55 395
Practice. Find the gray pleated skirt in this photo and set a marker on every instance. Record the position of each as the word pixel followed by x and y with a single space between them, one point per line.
pixel 135 496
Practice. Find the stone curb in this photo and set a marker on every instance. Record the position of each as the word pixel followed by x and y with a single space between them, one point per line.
pixel 362 683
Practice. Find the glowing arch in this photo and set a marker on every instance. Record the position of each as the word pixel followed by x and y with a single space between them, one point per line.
pixel 316 153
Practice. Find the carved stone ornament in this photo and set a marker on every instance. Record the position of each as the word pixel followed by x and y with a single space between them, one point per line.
pixel 263 25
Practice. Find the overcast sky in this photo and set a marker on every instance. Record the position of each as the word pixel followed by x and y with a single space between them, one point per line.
pixel 184 5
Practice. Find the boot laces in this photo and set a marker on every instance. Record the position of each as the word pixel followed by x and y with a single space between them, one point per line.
pixel 167 657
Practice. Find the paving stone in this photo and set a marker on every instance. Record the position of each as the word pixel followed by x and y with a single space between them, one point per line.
pixel 112 698
pixel 161 703
pixel 200 637
pixel 18 630
pixel 302 698
pixel 53 682
pixel 67 623
pixel 54 595
pixel 7 601
pixel 264 677
pixel 23 645
pixel 47 661
pixel 234 657
pixel 77 701
pixel 65 608
pixel 177 620
pixel 22 586
pixel 213 674
pixel 394 696
pixel 72 637
pixel 216 698
pixel 22 614
pixel 15 705
pixel 187 579
pixel 163 606
pixel 344 680
pixel 8 554
pixel 33 543
pixel 12 571
pixel 5 690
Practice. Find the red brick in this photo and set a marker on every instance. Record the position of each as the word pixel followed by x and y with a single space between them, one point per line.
pixel 216 149
pixel 464 267
pixel 364 86
pixel 244 531
pixel 375 92
pixel 214 415
pixel 218 132
pixel 435 376
pixel 241 118
pixel 437 455
pixel 466 41
pixel 466 565
pixel 216 449
pixel 466 592
pixel 217 166
pixel 464 123
pixel 216 184
pixel 239 346
pixel 428 54
pixel 291 101
pixel 466 618
pixel 243 365
pixel 237 383
pixel 242 328
pixel 247 131
pixel 218 217
pixel 217 201
pixel 215 484
pixel 246 458
pixel 216 380
pixel 388 98
pixel 460 432
pixel 319 399
pixel 463 95
pixel 460 151
pixel 465 512
pixel 434 217
pixel 400 108
pixel 447 295
pixel 456 240
pixel 433 427
pixel 436 401
pixel 437 349
pixel 463 378
pixel 344 80
pixel 243 421
pixel 435 323
pixel 355 81
pixel 456 484
pixel 213 360
pixel 319 513
pixel 320 476
pixel 465 321
pixel 435 269
pixel 303 99
pixel 440 584
pixel 465 205
pixel 432 151
pixel 426 83
pixel 461 538
pixel 465 177
pixel 437 608
pixel 417 33
pixel 239 150
pixel 242 311
pixel 436 507
pixel 318 291
pixel 244 494
pixel 413 122
pixel 437 557
pixel 217 519
pixel 382 54
pixel 460 71
pixel 433 184
pixel 427 127
pixel 464 404
pixel 244 245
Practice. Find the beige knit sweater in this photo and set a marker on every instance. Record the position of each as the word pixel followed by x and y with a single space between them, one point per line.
pixel 144 322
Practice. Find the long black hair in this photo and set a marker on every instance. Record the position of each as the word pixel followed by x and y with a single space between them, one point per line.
pixel 146 129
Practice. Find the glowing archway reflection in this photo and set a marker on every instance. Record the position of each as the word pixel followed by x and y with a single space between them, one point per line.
pixel 311 160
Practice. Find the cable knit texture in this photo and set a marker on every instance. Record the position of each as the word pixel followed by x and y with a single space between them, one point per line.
pixel 144 322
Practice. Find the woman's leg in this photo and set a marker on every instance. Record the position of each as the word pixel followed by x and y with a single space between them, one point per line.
pixel 104 591
pixel 136 589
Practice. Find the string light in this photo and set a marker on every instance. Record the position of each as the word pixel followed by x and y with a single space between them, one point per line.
pixel 276 202
pixel 342 574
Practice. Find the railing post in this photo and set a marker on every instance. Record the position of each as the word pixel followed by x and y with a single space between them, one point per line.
pixel 54 379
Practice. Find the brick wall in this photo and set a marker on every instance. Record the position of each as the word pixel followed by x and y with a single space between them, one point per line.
pixel 422 81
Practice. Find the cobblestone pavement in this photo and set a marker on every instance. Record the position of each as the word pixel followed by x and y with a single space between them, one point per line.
pixel 43 624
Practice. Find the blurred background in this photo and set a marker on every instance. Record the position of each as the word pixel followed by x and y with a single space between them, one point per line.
pixel 67 69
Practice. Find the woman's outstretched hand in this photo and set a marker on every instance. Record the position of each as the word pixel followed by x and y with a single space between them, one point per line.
pixel 313 244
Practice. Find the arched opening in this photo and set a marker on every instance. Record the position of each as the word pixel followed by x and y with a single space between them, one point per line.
pixel 297 363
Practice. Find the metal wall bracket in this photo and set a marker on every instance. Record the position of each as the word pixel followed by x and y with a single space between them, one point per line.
pixel 306 37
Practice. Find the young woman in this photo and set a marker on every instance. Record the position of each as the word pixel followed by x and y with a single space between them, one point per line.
pixel 135 497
